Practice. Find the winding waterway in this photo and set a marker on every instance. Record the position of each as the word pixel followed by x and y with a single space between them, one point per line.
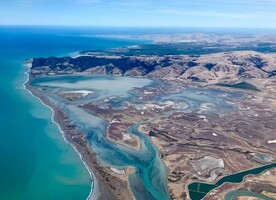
pixel 238 193
pixel 198 190
pixel 36 163
pixel 150 178
pixel 150 170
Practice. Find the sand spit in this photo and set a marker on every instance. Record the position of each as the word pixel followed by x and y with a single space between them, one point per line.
pixel 94 192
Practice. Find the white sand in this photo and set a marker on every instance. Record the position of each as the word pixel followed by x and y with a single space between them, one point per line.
pixel 203 117
pixel 83 93
pixel 148 92
pixel 117 171
pixel 126 136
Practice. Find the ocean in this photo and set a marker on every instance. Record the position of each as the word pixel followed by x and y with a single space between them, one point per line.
pixel 36 163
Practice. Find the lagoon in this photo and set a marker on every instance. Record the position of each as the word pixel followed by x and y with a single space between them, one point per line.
pixel 150 178
pixel 36 163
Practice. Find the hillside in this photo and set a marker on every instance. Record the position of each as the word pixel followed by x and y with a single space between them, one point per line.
pixel 218 67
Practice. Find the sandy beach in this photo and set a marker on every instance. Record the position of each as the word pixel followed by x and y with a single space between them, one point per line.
pixel 105 183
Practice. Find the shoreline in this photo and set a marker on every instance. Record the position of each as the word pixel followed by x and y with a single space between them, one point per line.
pixel 92 176
pixel 55 113
pixel 101 176
pixel 235 183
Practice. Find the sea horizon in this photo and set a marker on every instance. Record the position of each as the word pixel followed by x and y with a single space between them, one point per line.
pixel 16 48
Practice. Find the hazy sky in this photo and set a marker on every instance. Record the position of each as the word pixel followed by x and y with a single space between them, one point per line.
pixel 179 13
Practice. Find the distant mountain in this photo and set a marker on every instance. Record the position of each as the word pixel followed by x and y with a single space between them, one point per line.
pixel 217 67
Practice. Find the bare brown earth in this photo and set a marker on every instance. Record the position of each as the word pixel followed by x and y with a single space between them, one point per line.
pixel 187 142
pixel 246 198
pixel 194 147
pixel 109 184
pixel 185 139
pixel 211 68
pixel 264 184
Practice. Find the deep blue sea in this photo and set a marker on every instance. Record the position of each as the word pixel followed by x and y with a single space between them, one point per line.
pixel 36 163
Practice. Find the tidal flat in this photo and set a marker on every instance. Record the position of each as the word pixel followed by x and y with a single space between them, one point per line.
pixel 150 125
pixel 95 124
pixel 36 162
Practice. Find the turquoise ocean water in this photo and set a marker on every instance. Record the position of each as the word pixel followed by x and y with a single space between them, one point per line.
pixel 36 163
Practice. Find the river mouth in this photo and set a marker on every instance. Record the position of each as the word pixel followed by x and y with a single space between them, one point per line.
pixel 75 95
pixel 114 155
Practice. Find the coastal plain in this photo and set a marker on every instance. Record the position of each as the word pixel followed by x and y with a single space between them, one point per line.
pixel 148 125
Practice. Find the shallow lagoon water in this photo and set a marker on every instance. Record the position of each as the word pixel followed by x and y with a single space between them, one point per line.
pixel 198 190
pixel 106 86
pixel 36 163
pixel 115 155
pixel 234 194
pixel 150 170
pixel 149 180
pixel 203 100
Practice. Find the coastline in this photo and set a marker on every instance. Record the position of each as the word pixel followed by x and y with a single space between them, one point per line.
pixel 28 89
pixel 102 178
pixel 56 116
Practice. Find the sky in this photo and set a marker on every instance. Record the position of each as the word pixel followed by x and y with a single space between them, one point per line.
pixel 140 13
